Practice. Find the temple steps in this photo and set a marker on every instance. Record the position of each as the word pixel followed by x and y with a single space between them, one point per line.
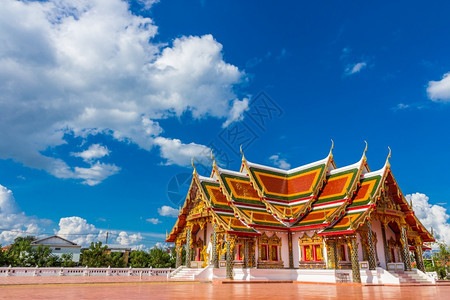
pixel 186 273
pixel 411 277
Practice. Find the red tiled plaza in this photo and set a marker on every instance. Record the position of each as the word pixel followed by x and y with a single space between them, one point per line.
pixel 148 289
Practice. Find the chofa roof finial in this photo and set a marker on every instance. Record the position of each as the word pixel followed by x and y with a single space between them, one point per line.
pixel 193 166
pixel 331 149
pixel 242 152
pixel 387 158
pixel 213 159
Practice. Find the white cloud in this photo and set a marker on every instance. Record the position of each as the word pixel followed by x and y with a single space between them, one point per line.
pixel 96 173
pixel 280 162
pixel 431 216
pixel 161 245
pixel 78 230
pixel 147 3
pixel 154 221
pixel 237 112
pixel 175 152
pixel 125 239
pixel 13 221
pixel 352 69
pixel 94 151
pixel 167 211
pixel 91 66
pixel 440 90
pixel 400 106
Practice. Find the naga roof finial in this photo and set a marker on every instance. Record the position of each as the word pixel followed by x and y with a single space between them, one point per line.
pixel 364 152
pixel 387 158
pixel 213 159
pixel 331 149
pixel 193 166
pixel 242 152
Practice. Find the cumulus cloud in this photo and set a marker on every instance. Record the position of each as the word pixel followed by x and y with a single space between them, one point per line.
pixel 175 152
pixel 167 211
pixel 440 90
pixel 90 66
pixel 78 230
pixel 280 162
pixel 237 112
pixel 126 239
pixel 13 221
pixel 154 221
pixel 93 152
pixel 96 172
pixel 355 68
pixel 431 216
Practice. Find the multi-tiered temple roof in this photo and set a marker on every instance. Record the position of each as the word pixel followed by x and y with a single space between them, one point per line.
pixel 319 196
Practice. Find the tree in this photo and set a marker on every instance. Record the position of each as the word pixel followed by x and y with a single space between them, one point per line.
pixel 95 256
pixel 139 259
pixel 42 256
pixel 115 260
pixel 67 260
pixel 18 254
pixel 160 258
pixel 442 260
pixel 3 259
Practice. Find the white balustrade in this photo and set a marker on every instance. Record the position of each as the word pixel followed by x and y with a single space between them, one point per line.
pixel 80 271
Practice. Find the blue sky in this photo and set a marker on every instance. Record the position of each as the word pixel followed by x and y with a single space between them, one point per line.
pixel 103 103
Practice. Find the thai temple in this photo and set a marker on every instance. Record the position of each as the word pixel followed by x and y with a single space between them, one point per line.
pixel 317 222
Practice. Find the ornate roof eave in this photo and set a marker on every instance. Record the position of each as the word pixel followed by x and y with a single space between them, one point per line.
pixel 363 164
pixel 322 180
pixel 351 192
pixel 407 208
pixel 182 208
pixel 306 208
pixel 361 220
pixel 246 220
pixel 262 196
pixel 207 202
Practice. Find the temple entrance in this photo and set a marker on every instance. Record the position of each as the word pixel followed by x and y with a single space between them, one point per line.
pixel 245 253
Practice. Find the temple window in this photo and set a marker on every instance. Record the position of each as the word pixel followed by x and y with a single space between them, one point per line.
pixel 311 248
pixel 269 248
pixel 318 253
pixel 264 251
pixel 274 253
pixel 307 253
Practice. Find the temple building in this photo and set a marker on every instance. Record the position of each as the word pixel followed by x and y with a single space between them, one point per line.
pixel 313 217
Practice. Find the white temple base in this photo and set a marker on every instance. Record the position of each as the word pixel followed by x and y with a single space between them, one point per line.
pixel 378 276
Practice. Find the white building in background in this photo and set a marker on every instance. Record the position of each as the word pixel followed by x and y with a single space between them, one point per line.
pixel 59 246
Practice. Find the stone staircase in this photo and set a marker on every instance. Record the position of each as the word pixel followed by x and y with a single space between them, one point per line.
pixel 411 277
pixel 186 273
